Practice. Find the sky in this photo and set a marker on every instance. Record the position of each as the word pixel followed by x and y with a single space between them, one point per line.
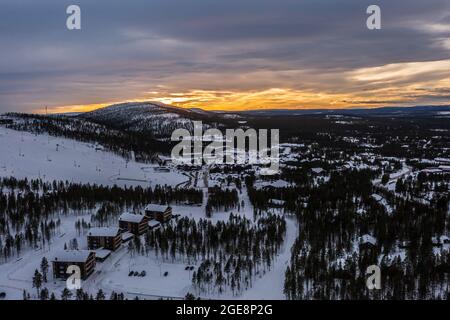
pixel 223 55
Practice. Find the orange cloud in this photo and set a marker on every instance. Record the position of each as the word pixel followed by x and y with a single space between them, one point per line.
pixel 391 84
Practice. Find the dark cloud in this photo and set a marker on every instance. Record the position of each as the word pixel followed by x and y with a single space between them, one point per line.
pixel 127 48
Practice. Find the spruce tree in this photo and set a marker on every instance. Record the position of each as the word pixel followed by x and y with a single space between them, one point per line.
pixel 66 294
pixel 44 268
pixel 37 281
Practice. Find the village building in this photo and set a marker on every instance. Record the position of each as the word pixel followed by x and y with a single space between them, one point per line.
pixel 164 161
pixel 102 254
pixel 136 224
pixel 154 224
pixel 377 197
pixel 161 169
pixel 439 241
pixel 84 259
pixel 276 203
pixel 158 212
pixel 317 170
pixel 127 236
pixel 367 239
pixel 106 238
pixel 444 161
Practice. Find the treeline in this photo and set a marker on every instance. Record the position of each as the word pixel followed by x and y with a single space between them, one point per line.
pixel 221 199
pixel 233 252
pixel 329 259
pixel 121 142
pixel 86 196
pixel 30 209
pixel 423 184
pixel 298 196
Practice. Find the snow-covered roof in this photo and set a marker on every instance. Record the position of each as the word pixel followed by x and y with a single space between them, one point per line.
pixel 367 238
pixel 445 160
pixel 361 211
pixel 126 236
pixel 439 240
pixel 162 157
pixel 131 217
pixel 317 170
pixel 104 232
pixel 272 184
pixel 377 197
pixel 432 170
pixel 277 202
pixel 72 256
pixel 153 223
pixel 102 253
pixel 156 207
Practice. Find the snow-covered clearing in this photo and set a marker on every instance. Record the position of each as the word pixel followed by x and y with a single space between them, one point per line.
pixel 270 286
pixel 112 275
pixel 16 275
pixel 42 156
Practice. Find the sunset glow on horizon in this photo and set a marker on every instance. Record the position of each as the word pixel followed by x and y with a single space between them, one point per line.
pixel 391 86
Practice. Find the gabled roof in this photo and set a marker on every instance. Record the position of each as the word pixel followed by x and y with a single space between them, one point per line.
pixel 104 232
pixel 317 170
pixel 131 217
pixel 72 256
pixel 156 207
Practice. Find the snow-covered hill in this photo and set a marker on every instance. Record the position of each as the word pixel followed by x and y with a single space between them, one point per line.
pixel 153 118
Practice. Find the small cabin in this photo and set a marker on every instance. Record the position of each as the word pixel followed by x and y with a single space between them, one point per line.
pixel 439 241
pixel 107 238
pixel 317 171
pixel 127 236
pixel 84 259
pixel 153 224
pixel 367 242
pixel 158 212
pixel 276 203
pixel 102 254
pixel 136 224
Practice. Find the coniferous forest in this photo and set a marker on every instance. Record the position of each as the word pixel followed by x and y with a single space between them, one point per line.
pixel 347 198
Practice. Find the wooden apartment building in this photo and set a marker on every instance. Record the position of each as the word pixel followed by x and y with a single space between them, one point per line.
pixel 137 224
pixel 158 212
pixel 106 238
pixel 84 259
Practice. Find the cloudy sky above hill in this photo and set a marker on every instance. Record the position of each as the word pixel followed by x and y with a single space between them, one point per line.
pixel 216 54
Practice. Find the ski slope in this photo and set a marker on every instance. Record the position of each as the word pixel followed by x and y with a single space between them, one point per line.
pixel 41 156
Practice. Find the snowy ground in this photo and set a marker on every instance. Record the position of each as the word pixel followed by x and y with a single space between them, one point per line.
pixel 32 156
pixel 112 275
pixel 41 156
pixel 16 275
pixel 270 286
pixel 393 177
pixel 178 282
